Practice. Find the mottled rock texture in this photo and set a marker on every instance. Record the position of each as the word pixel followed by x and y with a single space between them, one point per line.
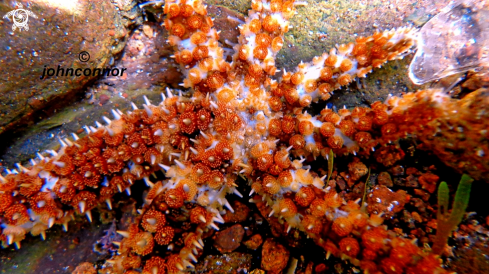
pixel 60 32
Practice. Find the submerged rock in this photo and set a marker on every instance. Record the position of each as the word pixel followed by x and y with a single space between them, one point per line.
pixel 230 239
pixel 55 39
pixel 224 264
pixel 274 256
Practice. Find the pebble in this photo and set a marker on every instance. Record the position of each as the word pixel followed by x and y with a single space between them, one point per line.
pixel 103 99
pixel 254 242
pixel 241 212
pixel 229 239
pixel 274 256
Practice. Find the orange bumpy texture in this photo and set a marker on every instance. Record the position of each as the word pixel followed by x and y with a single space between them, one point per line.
pixel 239 121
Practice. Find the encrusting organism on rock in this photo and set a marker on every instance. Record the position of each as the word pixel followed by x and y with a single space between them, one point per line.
pixel 241 122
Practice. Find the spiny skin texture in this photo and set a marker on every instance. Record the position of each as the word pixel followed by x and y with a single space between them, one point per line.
pixel 240 122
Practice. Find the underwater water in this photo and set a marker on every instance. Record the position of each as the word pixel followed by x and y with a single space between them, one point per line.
pixel 244 136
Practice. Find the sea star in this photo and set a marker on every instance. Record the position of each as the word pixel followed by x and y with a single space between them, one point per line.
pixel 239 122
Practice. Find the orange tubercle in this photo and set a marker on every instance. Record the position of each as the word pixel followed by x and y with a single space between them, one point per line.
pixel 312 224
pixel 342 226
pixel 287 208
pixel 305 196
pixel 349 246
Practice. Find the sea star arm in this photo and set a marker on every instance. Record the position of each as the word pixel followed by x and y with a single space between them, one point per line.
pixel 319 78
pixel 261 37
pixel 196 41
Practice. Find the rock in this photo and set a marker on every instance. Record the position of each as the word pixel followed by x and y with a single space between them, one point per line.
pixel 103 99
pixel 425 196
pixel 148 71
pixel 254 242
pixel 428 181
pixel 84 268
pixel 148 31
pixel 389 155
pixel 274 256
pixel 383 200
pixel 357 169
pixel 145 59
pixel 229 239
pixel 384 179
pixel 228 27
pixel 61 31
pixel 224 264
pixel 61 252
pixel 241 212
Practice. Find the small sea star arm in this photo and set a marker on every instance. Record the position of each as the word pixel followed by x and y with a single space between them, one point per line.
pixel 328 72
pixel 261 38
pixel 196 43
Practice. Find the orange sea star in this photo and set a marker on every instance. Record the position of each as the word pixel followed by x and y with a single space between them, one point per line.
pixel 240 121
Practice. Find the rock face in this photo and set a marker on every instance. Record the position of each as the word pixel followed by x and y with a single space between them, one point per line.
pixel 61 31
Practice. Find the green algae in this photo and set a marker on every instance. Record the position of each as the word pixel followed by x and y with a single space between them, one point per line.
pixel 26 259
pixel 330 165
pixel 67 115
pixel 447 222
pixel 363 208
